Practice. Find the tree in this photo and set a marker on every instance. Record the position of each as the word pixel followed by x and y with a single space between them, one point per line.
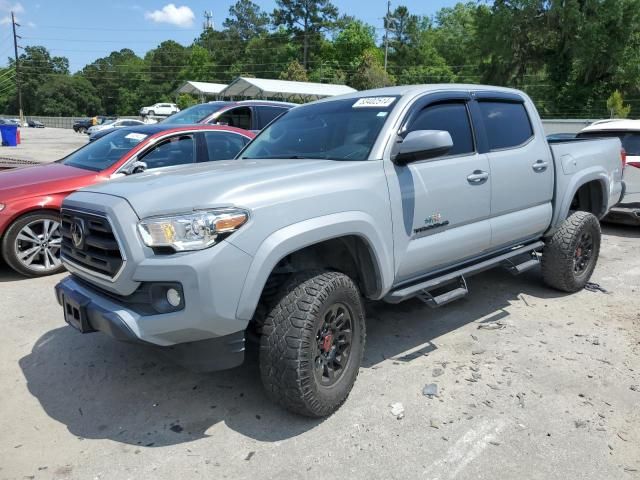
pixel 118 79
pixel 370 73
pixel 246 20
pixel 295 72
pixel 66 96
pixel 616 105
pixel 37 66
pixel 454 38
pixel 307 18
pixel 351 43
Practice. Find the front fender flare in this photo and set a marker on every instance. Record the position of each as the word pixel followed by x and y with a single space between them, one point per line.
pixel 309 232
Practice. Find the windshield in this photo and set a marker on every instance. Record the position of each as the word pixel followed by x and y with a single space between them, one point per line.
pixel 630 140
pixel 195 114
pixel 105 151
pixel 333 130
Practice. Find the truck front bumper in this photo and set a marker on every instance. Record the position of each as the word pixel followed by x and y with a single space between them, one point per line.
pixel 89 310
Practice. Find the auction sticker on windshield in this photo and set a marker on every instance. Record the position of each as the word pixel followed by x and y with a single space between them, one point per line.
pixel 136 136
pixel 375 102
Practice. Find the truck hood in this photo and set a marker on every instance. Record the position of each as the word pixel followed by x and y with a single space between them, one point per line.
pixel 42 180
pixel 244 183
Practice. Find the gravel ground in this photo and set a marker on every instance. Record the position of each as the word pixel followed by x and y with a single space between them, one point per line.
pixel 43 145
pixel 531 384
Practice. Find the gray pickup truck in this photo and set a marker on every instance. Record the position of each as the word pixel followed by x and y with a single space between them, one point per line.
pixel 386 194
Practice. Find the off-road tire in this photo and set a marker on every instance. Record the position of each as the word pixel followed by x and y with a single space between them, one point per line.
pixel 558 258
pixel 7 246
pixel 289 339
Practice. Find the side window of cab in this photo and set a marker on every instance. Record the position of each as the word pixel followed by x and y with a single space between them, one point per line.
pixel 452 117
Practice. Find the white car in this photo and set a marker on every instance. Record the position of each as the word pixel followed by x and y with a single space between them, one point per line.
pixel 628 131
pixel 108 125
pixel 159 109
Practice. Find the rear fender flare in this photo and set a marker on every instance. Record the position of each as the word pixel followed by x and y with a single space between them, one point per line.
pixel 563 204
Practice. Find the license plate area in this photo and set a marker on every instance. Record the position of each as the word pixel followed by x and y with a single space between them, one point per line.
pixel 75 313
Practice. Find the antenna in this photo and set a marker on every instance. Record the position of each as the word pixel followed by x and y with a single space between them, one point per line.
pixel 208 20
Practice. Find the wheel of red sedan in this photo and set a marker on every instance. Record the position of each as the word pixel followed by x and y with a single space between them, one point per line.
pixel 31 245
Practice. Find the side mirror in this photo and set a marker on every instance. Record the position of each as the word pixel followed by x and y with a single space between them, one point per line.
pixel 422 145
pixel 136 167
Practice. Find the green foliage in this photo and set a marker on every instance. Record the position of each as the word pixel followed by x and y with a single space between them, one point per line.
pixel 295 72
pixel 616 105
pixel 370 73
pixel 568 55
pixel 185 100
pixel 66 95
pixel 246 20
pixel 306 19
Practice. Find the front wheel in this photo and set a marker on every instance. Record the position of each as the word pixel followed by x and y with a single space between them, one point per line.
pixel 569 258
pixel 31 245
pixel 312 343
pixel 151 113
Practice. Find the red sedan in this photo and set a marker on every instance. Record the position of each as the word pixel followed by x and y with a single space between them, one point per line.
pixel 30 198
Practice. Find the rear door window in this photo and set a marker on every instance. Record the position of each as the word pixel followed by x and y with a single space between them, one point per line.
pixel 507 124
pixel 236 117
pixel 267 114
pixel 178 150
pixel 223 145
pixel 451 117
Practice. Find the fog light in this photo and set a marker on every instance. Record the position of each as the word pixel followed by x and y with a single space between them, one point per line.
pixel 173 297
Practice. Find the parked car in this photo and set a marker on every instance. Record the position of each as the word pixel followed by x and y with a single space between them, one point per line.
pixel 81 126
pixel 35 124
pixel 251 115
pixel 628 131
pixel 111 125
pixel 387 194
pixel 159 109
pixel 30 197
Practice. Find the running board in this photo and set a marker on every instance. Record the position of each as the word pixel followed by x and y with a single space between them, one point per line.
pixel 404 293
pixel 446 297
pixel 517 269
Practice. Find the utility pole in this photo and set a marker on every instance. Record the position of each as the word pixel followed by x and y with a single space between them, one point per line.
pixel 387 19
pixel 15 49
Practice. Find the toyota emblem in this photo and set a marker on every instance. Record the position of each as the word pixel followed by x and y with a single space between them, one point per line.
pixel 77 232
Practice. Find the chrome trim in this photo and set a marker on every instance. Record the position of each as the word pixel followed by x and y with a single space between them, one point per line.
pixel 74 266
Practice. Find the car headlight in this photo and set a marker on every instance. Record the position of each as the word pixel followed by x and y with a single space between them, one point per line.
pixel 2 205
pixel 191 231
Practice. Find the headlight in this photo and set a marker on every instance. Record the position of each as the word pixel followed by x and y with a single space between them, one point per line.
pixel 191 231
pixel 2 205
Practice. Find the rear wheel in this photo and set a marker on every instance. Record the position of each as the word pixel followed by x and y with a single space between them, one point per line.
pixel 31 245
pixel 312 343
pixel 570 257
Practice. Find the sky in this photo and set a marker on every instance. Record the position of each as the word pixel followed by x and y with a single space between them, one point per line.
pixel 84 31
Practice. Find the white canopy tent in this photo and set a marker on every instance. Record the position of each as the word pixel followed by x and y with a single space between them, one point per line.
pixel 264 88
pixel 202 89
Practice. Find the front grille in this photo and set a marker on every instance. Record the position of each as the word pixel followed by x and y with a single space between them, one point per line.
pixel 97 250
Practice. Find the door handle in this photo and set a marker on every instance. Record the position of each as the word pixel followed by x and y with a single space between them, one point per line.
pixel 478 177
pixel 540 166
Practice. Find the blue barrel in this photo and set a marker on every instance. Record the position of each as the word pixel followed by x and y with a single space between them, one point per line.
pixel 9 135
